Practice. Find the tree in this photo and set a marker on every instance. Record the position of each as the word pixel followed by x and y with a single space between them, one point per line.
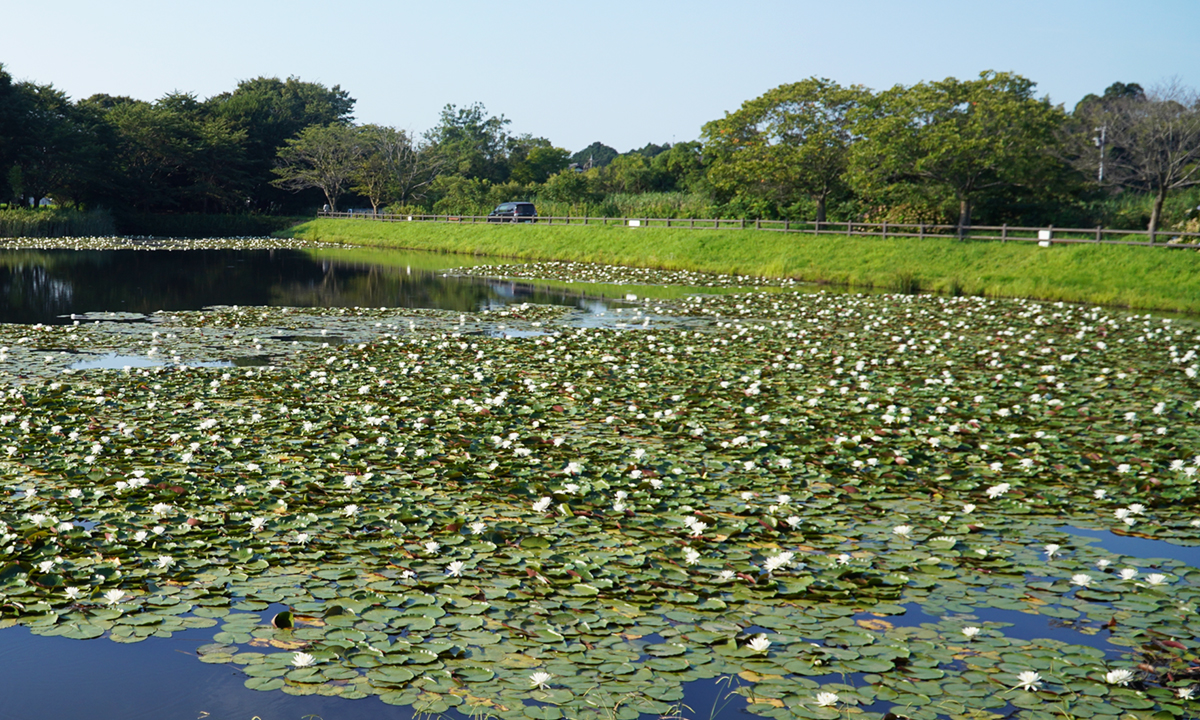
pixel 595 155
pixel 57 144
pixel 683 166
pixel 393 168
pixel 956 137
pixel 789 143
pixel 1151 141
pixel 470 143
pixel 570 186
pixel 321 156
pixel 271 111
pixel 534 160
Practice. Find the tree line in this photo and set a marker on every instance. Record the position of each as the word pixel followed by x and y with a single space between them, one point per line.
pixel 984 150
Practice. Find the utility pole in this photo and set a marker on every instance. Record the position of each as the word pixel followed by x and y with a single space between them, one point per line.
pixel 1099 140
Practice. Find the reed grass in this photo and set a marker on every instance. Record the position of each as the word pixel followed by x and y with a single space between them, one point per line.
pixel 55 222
pixel 199 225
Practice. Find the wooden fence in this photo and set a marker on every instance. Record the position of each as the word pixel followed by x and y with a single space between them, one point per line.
pixel 1003 233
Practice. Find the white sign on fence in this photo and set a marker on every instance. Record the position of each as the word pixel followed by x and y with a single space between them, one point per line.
pixel 635 223
pixel 1045 234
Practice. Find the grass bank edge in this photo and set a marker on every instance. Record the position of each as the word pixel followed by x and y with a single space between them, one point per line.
pixel 1142 278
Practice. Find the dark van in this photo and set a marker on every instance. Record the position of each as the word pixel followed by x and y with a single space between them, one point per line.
pixel 513 212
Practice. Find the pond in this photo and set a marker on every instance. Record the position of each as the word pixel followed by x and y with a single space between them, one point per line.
pixel 363 489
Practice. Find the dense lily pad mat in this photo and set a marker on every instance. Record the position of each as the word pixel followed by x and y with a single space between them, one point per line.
pixel 578 522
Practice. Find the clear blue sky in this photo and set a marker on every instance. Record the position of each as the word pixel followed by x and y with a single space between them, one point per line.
pixel 622 72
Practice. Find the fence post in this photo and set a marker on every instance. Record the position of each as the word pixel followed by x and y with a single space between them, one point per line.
pixel 920 231
pixel 885 230
pixel 787 225
pixel 1004 232
pixel 743 227
pixel 758 224
pixel 849 228
pixel 817 228
pixel 1152 234
pixel 1097 233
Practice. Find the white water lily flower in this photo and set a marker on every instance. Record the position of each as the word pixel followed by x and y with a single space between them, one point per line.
pixel 1029 681
pixel 477 528
pixel 1081 579
pixel 826 699
pixel 970 632
pixel 902 530
pixel 1128 573
pixel 73 593
pixel 257 523
pixel 1051 550
pixel 164 561
pixel 996 491
pixel 1156 579
pixel 781 560
pixel 455 568
pixel 540 680
pixel 759 643
pixel 691 556
pixel 302 659
pixel 112 597
pixel 1118 677
pixel 542 505
pixel 433 546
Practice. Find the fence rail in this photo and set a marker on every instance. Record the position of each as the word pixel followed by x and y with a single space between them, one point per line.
pixel 1003 233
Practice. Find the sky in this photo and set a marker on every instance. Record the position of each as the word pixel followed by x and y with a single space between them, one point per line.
pixel 623 72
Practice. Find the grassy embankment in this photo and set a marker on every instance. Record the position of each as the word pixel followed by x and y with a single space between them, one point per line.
pixel 1147 278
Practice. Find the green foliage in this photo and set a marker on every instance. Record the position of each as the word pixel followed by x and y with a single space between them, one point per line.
pixel 598 154
pixel 270 111
pixel 571 187
pixel 538 164
pixel 470 143
pixel 790 143
pixel 958 138
pixel 326 157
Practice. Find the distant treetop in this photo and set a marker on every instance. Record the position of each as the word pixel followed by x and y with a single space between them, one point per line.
pixel 599 153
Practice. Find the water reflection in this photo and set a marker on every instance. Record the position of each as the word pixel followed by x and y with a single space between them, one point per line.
pixel 49 286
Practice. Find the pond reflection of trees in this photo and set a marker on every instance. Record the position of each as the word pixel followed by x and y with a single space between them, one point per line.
pixel 44 286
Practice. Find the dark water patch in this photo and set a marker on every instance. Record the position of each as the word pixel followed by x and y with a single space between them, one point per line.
pixel 1141 548
pixel 157 679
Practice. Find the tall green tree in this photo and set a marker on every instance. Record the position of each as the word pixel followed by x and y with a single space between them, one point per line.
pixel 792 142
pixel 271 111
pixel 957 138
pixel 325 157
pixel 471 143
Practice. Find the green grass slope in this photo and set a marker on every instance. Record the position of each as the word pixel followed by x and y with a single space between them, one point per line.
pixel 1151 278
